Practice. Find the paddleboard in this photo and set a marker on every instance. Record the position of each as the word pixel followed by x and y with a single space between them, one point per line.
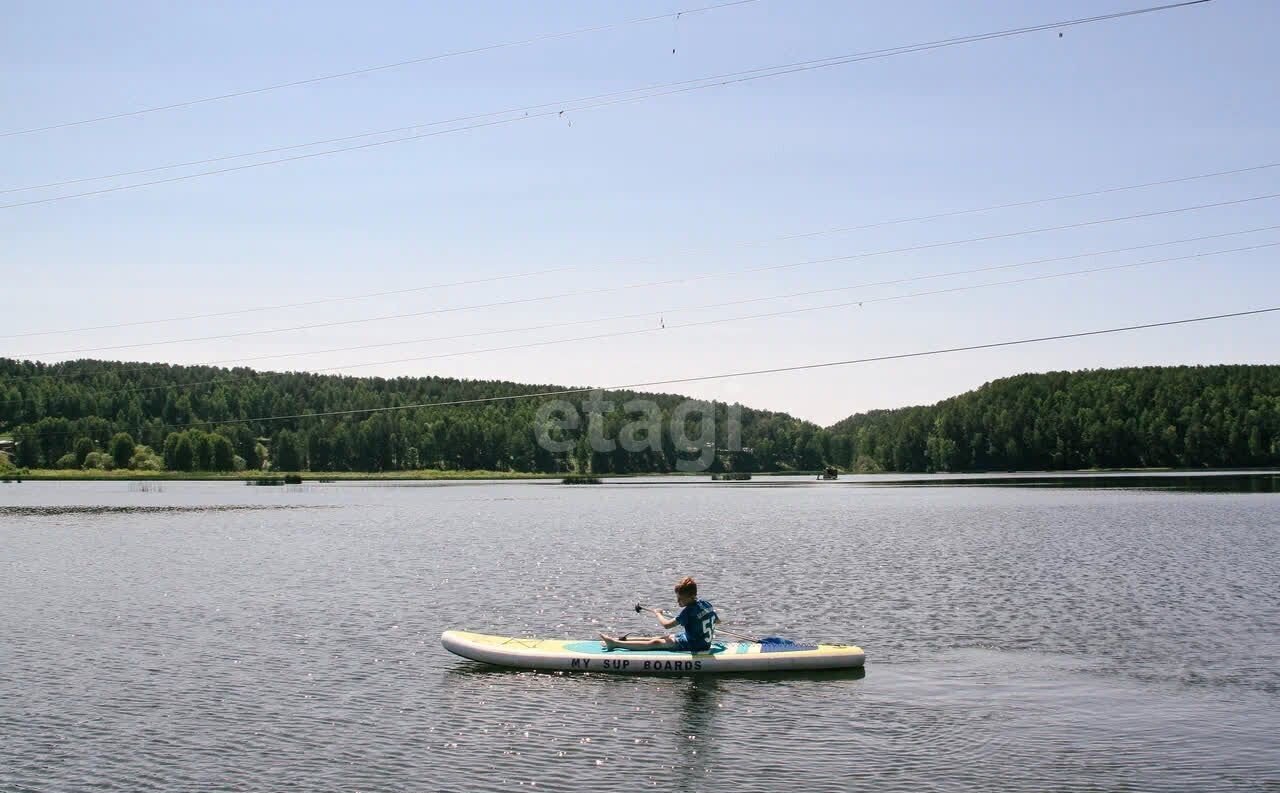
pixel 589 655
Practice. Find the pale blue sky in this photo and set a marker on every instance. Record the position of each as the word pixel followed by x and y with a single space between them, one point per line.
pixel 623 193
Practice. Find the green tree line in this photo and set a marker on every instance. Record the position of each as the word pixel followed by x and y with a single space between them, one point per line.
pixel 67 415
pixel 103 414
pixel 1181 416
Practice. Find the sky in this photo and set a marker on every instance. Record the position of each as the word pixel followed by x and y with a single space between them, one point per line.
pixel 648 210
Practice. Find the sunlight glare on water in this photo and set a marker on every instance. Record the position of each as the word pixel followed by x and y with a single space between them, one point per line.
pixel 201 635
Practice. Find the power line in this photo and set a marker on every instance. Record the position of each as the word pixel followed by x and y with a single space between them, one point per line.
pixel 278 307
pixel 685 309
pixel 667 282
pixel 790 311
pixel 663 311
pixel 728 375
pixel 784 238
pixel 723 320
pixel 582 104
pixel 378 68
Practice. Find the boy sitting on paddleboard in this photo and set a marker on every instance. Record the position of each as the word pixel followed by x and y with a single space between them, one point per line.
pixel 697 617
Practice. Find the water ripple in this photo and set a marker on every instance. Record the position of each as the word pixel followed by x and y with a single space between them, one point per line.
pixel 1018 639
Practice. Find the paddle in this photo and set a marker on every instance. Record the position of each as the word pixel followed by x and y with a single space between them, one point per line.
pixel 641 607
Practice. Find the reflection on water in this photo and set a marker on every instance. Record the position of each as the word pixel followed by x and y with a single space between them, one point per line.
pixel 696 735
pixel 1022 637
pixel 105 509
pixel 701 732
pixel 1185 483
pixel 1173 481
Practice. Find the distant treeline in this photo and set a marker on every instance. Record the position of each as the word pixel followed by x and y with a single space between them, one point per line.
pixel 1183 416
pixel 155 416
pixel 70 414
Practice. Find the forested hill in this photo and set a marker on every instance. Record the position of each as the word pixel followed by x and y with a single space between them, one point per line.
pixel 96 414
pixel 1183 416
pixel 71 415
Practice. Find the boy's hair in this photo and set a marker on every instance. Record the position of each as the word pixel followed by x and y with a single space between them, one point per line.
pixel 687 588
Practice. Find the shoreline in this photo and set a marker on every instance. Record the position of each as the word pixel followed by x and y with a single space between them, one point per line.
pixel 59 475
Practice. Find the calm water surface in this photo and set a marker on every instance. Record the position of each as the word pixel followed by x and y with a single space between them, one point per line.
pixel 1019 636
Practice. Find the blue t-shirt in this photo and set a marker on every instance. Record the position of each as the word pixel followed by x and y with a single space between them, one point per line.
pixel 699 622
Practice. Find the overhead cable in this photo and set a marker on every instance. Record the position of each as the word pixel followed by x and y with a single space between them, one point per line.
pixel 579 105
pixel 665 282
pixel 741 373
pixel 372 69
pixel 702 323
pixel 748 243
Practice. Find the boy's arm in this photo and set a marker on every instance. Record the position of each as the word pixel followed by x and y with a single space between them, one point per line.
pixel 667 622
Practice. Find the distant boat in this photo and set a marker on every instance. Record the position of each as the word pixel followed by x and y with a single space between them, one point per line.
pixel 831 472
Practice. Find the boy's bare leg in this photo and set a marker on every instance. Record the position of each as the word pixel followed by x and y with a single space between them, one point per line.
pixel 636 643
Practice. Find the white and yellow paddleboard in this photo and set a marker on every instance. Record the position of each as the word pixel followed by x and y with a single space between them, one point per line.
pixel 590 656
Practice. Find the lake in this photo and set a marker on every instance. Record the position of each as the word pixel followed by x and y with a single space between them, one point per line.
pixel 1022 633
